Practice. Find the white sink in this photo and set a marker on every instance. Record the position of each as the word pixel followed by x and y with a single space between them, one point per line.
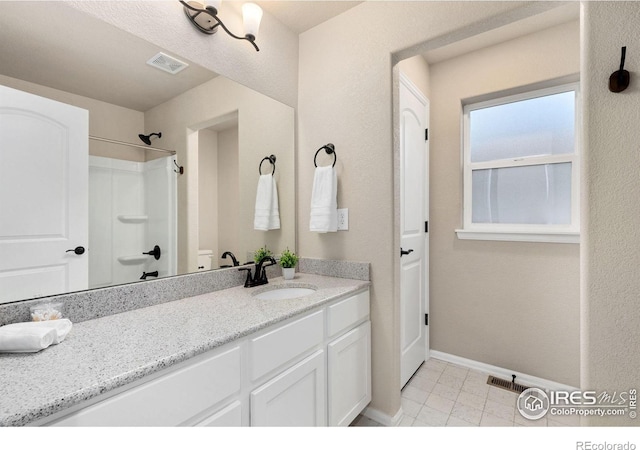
pixel 284 293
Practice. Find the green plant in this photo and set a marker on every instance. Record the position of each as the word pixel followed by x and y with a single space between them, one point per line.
pixel 261 253
pixel 288 259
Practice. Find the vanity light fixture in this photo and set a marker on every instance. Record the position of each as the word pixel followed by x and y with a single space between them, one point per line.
pixel 205 18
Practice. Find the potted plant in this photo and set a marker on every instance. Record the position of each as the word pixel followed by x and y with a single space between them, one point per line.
pixel 261 253
pixel 288 261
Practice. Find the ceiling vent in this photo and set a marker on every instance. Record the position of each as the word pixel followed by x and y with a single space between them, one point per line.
pixel 167 63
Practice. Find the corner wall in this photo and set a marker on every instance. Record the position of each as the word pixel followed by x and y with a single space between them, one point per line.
pixel 265 126
pixel 611 237
pixel 345 97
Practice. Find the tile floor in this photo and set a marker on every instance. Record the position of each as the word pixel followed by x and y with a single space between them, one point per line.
pixel 445 394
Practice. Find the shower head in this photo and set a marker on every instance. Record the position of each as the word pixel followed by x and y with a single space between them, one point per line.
pixel 146 138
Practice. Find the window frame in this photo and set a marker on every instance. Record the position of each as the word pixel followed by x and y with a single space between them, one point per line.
pixel 569 233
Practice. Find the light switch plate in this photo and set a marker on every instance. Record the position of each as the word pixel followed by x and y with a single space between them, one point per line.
pixel 343 219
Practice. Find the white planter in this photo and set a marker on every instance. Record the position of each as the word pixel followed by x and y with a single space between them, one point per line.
pixel 288 272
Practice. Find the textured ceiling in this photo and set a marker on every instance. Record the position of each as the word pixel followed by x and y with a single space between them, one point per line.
pixel 299 16
pixel 548 19
pixel 52 44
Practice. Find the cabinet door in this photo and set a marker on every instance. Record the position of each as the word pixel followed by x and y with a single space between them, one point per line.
pixel 349 375
pixel 296 397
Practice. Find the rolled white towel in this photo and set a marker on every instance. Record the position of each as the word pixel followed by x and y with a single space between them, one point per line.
pixel 33 336
pixel 26 340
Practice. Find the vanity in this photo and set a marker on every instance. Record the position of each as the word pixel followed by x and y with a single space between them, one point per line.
pixel 224 358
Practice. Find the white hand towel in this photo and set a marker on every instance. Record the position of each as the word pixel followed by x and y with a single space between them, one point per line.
pixel 324 200
pixel 33 336
pixel 267 213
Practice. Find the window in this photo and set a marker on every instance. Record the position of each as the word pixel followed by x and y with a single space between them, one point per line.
pixel 521 167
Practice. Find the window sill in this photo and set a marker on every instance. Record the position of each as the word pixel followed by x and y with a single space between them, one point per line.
pixel 520 236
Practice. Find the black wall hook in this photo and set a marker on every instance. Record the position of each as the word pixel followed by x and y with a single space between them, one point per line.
pixel 619 80
pixel 180 168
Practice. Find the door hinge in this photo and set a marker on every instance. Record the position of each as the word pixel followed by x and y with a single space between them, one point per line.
pixel 426 226
pixel 426 134
pixel 426 319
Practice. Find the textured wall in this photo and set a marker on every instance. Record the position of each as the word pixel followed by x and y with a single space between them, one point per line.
pixel 345 98
pixel 417 70
pixel 265 127
pixel 490 300
pixel 105 120
pixel 611 238
pixel 208 184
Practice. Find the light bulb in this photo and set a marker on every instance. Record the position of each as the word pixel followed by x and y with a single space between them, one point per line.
pixel 252 15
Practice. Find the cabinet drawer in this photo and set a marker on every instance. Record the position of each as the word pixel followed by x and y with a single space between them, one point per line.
pixel 277 347
pixel 348 312
pixel 169 400
pixel 230 416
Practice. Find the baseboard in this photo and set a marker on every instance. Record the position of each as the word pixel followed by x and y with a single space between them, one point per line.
pixel 522 378
pixel 382 418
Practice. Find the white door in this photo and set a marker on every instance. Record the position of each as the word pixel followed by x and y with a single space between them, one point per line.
pixel 43 196
pixel 414 252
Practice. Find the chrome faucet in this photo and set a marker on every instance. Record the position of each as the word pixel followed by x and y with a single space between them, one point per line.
pixel 260 276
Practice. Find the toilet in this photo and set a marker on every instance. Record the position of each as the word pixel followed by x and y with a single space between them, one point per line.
pixel 204 260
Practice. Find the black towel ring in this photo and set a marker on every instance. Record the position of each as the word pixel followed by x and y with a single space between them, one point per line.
pixel 272 160
pixel 330 149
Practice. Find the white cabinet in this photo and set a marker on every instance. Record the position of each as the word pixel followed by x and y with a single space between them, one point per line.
pixel 276 348
pixel 348 358
pixel 311 370
pixel 296 397
pixel 173 398
pixel 229 416
pixel 349 375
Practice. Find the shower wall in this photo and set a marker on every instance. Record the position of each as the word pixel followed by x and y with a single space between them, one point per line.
pixel 131 209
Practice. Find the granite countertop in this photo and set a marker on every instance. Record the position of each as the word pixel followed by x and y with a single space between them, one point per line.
pixel 103 354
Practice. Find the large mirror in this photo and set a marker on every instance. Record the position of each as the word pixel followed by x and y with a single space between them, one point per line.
pixel 142 217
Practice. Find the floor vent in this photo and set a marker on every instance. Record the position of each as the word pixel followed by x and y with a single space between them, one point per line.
pixel 508 385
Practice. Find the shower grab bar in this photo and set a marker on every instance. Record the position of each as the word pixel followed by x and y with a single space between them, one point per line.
pixel 129 144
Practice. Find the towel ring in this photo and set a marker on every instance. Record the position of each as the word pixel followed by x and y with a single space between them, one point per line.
pixel 330 149
pixel 272 160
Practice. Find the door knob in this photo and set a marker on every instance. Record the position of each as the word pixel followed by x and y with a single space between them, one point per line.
pixel 78 250
pixel 405 252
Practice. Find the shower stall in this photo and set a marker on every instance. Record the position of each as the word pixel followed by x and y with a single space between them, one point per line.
pixel 132 219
